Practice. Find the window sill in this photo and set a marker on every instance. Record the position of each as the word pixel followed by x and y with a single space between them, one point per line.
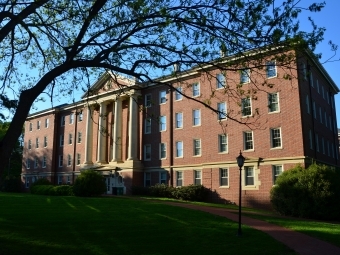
pixel 271 77
pixel 223 152
pixel 222 119
pixel 197 156
pixel 274 112
pixel 252 150
pixel 250 187
pixel 162 158
pixel 179 157
pixel 277 148
pixel 178 128
pixel 224 187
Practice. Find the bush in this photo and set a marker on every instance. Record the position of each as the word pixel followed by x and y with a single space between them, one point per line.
pixel 41 181
pixel 50 190
pixel 310 193
pixel 191 192
pixel 11 184
pixel 89 183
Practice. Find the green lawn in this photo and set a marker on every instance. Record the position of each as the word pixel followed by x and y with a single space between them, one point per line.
pixel 329 232
pixel 70 225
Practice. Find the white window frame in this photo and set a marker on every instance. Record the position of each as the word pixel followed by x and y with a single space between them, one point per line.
pixel 147 152
pixel 38 125
pixel 317 86
pixel 60 179
pixel 247 174
pixel 179 179
pixel 271 67
pixel 272 103
pixel 196 89
pixel 62 122
pixel 223 142
pixel 162 97
pixel 273 136
pixel 162 123
pixel 220 81
pixel 43 164
pixel 147 100
pixel 163 177
pixel 79 137
pixel 47 123
pixel 247 141
pixel 245 108
pixel 71 118
pixel 198 177
pixel 36 163
pixel 28 163
pixel 179 120
pixel 61 140
pixel 29 144
pixel 37 142
pixel 245 76
pixel 147 179
pixel 60 161
pixel 196 119
pixel 277 170
pixel 78 159
pixel 80 116
pixel 30 126
pixel 147 126
pixel 70 138
pixel 162 151
pixel 314 110
pixel 197 147
pixel 69 160
pixel 178 95
pixel 179 149
pixel 45 141
pixel 224 177
pixel 222 111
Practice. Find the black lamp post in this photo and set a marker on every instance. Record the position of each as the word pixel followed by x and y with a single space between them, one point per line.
pixel 240 162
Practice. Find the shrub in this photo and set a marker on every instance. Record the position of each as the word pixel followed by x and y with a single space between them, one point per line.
pixel 41 181
pixel 311 193
pixel 50 190
pixel 11 184
pixel 89 183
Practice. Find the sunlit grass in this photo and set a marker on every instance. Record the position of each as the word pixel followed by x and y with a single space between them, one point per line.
pixel 70 225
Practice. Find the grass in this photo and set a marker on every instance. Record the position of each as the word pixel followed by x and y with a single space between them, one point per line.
pixel 329 232
pixel 70 225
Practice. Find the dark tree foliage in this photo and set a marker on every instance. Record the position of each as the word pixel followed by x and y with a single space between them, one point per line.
pixel 90 183
pixel 54 47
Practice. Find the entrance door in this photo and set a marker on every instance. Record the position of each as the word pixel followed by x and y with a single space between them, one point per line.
pixel 108 185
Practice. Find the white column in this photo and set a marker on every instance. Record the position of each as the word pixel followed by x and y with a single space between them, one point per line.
pixel 117 132
pixel 102 133
pixel 133 115
pixel 89 134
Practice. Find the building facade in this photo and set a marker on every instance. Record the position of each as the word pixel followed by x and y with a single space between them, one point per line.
pixel 144 134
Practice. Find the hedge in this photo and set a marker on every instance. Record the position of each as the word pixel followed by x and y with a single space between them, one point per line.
pixel 61 190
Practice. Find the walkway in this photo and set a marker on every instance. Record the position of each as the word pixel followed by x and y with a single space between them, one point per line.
pixel 300 243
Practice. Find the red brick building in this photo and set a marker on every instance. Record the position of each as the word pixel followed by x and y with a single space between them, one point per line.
pixel 144 134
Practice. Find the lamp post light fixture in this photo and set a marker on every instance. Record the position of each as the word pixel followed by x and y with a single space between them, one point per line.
pixel 240 162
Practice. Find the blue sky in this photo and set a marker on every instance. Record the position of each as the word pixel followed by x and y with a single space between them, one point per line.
pixel 329 18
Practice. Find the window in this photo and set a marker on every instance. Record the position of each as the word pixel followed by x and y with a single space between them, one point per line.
pixel 311 79
pixel 147 126
pixel 61 140
pixel 246 106
pixel 304 72
pixel 179 178
pixel 28 164
pixel 327 95
pixel 197 147
pixel 317 142
pixel 310 139
pixel 196 117
pixel 248 140
pixel 61 160
pixel 323 145
pixel 179 149
pixel 31 126
pixel 275 137
pixel 314 110
pixel 307 104
pixel 323 92
pixel 330 122
pixel 222 143
pixel 36 142
pixel 147 100
pixel 78 158
pixel 320 114
pixel 162 123
pixel 270 69
pixel 220 81
pixel 162 150
pixel 198 177
pixel 245 76
pixel 163 177
pixel 162 97
pixel 326 119
pixel 80 116
pixel 273 102
pixel 222 111
pixel 277 170
pixel 196 89
pixel 328 151
pixel 45 141
pixel 147 152
pixel 178 95
pixel 60 180
pixel 44 162
pixel 35 162
pixel 70 138
pixel 38 124
pixel 71 118
pixel 179 120
pixel 224 177
pixel 147 179
pixel 249 175
pixel 68 180
pixel 62 121
pixel 29 144
pixel 79 137
pixel 47 122
pixel 27 182
pixel 69 160
pixel 317 86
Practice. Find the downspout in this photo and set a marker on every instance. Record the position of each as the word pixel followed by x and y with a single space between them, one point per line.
pixel 311 109
pixel 75 144
pixel 55 147
pixel 171 138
